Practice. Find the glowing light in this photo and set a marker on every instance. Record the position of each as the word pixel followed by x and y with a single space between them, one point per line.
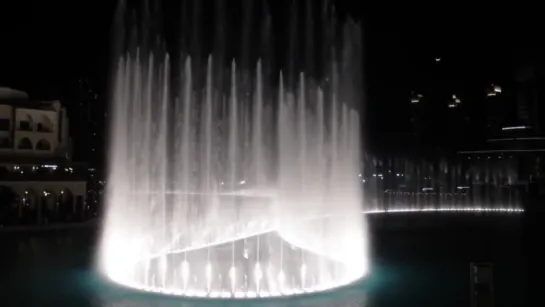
pixel 516 128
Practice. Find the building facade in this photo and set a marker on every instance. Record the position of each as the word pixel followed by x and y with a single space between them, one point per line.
pixel 39 184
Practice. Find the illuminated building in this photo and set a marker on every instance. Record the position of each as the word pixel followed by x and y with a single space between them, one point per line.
pixel 38 181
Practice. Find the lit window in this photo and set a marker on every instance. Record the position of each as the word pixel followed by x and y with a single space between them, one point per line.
pixel 493 90
pixel 456 99
pixel 415 98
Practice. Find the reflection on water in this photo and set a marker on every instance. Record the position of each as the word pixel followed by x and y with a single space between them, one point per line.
pixel 410 268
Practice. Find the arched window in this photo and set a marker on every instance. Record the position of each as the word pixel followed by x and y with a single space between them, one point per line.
pixel 43 144
pixel 25 143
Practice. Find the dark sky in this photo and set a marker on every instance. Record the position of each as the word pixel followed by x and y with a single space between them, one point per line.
pixel 49 42
pixel 48 45
pixel 53 43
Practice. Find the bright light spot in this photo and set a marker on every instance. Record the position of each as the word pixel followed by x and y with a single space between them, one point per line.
pixel 516 128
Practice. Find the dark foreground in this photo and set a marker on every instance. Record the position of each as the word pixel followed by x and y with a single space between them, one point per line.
pixel 417 261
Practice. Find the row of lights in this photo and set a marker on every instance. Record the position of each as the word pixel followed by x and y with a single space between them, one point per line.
pixel 467 209
pixel 46 166
pixel 489 157
pixel 45 193
pixel 493 90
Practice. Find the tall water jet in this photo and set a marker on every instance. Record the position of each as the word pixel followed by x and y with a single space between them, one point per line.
pixel 217 189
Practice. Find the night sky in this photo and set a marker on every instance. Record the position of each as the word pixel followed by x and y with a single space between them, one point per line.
pixel 50 45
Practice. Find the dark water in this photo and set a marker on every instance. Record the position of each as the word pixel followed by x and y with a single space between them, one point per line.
pixel 412 266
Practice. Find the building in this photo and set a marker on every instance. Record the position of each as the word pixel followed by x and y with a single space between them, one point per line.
pixel 441 105
pixel 38 181
pixel 515 138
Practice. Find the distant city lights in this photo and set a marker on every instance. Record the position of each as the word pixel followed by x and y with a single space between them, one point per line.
pixel 494 90
pixel 415 98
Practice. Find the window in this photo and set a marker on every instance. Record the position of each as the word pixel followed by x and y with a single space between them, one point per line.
pixel 4 124
pixel 25 143
pixel 25 125
pixel 5 143
pixel 42 128
pixel 43 144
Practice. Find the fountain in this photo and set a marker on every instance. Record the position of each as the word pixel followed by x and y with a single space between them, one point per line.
pixel 226 182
